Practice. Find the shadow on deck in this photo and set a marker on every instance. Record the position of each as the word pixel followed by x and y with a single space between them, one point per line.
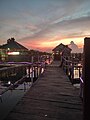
pixel 52 97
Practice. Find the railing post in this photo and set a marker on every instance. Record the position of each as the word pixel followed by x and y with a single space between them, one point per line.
pixel 86 93
pixel 72 73
pixel 32 73
pixel 29 70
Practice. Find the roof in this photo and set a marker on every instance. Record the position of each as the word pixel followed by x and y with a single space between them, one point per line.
pixel 61 47
pixel 12 44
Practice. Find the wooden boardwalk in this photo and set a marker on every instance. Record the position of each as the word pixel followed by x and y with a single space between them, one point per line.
pixel 52 97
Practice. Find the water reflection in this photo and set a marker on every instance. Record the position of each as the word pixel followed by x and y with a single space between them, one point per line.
pixel 32 72
pixel 9 82
pixel 10 98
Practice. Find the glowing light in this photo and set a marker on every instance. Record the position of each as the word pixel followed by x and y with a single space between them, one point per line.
pixel 13 53
pixel 8 48
pixel 9 82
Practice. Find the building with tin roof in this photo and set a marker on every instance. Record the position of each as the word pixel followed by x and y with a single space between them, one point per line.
pixel 13 51
pixel 61 49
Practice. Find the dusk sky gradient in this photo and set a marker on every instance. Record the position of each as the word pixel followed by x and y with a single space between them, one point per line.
pixel 43 24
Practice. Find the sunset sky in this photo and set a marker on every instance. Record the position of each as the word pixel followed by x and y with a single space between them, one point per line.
pixel 43 24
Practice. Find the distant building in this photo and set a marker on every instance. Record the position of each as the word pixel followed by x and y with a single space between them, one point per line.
pixel 59 50
pixel 75 48
pixel 13 51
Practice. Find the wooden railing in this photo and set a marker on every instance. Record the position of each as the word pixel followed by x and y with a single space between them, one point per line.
pixel 70 67
pixel 20 72
pixel 81 87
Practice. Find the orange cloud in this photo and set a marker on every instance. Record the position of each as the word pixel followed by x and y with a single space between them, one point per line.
pixel 47 44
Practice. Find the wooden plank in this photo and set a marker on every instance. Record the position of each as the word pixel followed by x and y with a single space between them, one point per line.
pixel 52 97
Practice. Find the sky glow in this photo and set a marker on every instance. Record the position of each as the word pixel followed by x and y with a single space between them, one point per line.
pixel 43 24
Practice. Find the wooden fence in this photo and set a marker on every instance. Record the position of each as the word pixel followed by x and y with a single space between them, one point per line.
pixel 74 71
pixel 20 72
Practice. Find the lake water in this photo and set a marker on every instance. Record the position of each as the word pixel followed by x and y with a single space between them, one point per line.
pixel 11 97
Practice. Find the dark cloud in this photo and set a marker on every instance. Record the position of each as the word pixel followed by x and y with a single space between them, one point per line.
pixel 67 28
pixel 49 20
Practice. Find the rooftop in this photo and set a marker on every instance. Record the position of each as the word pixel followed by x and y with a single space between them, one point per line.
pixel 12 44
pixel 60 47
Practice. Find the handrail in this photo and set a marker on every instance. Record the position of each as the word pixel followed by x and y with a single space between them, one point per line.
pixel 81 80
pixel 69 61
pixel 69 67
pixel 34 71
pixel 81 88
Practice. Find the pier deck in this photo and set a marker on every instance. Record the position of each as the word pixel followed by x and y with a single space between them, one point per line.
pixel 52 97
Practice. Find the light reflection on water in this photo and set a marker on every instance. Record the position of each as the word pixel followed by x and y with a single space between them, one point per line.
pixel 11 97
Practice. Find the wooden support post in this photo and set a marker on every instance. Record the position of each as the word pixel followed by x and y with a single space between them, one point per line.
pixel 32 69
pixel 32 74
pixel 37 70
pixel 40 70
pixel 79 71
pixel 29 70
pixel 72 73
pixel 86 93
